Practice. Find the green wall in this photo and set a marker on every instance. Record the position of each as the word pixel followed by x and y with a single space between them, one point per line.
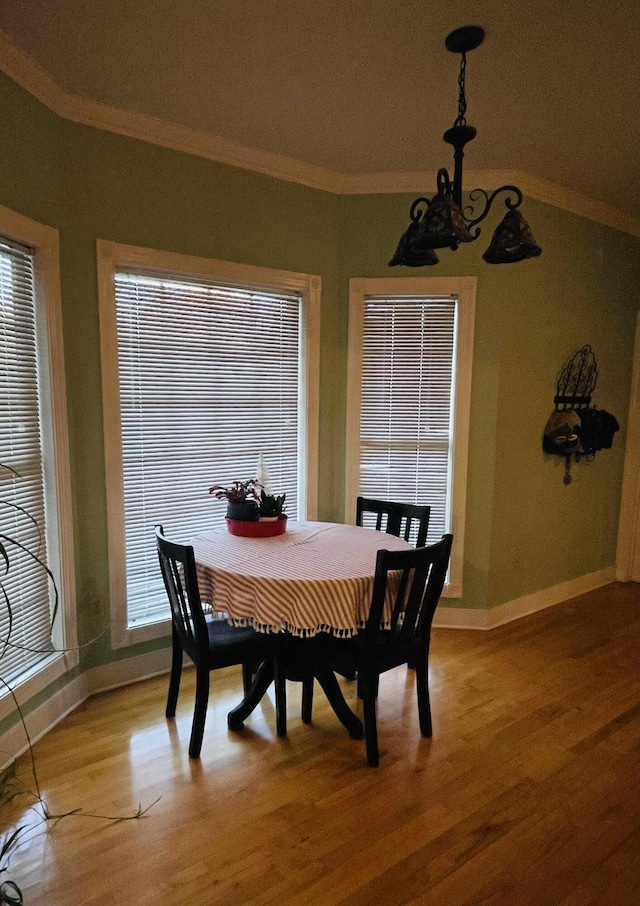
pixel 526 530
pixel 131 192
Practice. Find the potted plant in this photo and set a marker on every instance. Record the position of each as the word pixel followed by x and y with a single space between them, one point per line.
pixel 242 499
pixel 249 513
pixel 270 506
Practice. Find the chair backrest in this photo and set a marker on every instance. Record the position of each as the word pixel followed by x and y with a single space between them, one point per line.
pixel 396 518
pixel 417 578
pixel 178 567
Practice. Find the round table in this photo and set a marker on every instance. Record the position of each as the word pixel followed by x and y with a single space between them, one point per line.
pixel 317 577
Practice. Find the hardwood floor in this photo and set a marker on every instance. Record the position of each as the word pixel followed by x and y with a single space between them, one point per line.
pixel 527 794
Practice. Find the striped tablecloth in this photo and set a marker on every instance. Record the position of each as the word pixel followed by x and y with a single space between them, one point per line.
pixel 317 577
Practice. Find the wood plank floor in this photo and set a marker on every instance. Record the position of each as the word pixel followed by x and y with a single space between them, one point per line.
pixel 527 794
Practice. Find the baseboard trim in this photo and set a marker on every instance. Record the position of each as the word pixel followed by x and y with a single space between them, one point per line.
pixel 42 719
pixel 465 618
pixel 129 670
pixel 14 743
pixel 132 670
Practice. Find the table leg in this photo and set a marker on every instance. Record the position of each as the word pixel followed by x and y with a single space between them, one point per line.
pixel 305 660
pixel 327 679
pixel 261 682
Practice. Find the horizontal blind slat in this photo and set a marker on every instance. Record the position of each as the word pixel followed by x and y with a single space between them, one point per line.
pixel 406 402
pixel 209 379
pixel 26 594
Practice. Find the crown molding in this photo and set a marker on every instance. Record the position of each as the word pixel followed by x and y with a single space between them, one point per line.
pixel 37 81
pixel 568 200
pixel 531 186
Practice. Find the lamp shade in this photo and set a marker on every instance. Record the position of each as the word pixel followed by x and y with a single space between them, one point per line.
pixel 512 241
pixel 412 251
pixel 443 224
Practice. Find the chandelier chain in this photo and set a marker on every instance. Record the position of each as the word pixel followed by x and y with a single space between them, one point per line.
pixel 462 98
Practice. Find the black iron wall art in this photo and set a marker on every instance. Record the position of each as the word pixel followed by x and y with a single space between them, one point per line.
pixel 576 429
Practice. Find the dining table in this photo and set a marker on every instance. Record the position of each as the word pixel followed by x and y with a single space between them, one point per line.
pixel 314 579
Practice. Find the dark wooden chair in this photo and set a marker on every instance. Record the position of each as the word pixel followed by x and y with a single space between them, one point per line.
pixel 406 520
pixel 209 643
pixel 375 650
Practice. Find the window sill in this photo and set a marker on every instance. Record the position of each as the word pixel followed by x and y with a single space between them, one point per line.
pixel 123 637
pixel 38 678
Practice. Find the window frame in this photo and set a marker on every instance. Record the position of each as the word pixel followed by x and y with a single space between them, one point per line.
pixel 44 241
pixel 112 256
pixel 463 289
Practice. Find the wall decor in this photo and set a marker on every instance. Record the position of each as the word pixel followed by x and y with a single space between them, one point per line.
pixel 575 428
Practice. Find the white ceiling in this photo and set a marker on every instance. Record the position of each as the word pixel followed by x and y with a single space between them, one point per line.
pixel 365 86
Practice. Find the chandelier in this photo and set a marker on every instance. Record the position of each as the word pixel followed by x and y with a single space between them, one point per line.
pixel 442 222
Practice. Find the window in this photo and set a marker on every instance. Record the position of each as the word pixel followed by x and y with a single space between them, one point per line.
pixel 34 476
pixel 207 366
pixel 409 383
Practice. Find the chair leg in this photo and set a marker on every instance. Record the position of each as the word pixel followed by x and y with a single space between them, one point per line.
pixel 360 685
pixel 424 703
pixel 307 699
pixel 247 676
pixel 329 685
pixel 174 679
pixel 369 686
pixel 200 711
pixel 280 677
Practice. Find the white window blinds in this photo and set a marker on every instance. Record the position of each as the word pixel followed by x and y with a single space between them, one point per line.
pixel 25 604
pixel 209 379
pixel 406 415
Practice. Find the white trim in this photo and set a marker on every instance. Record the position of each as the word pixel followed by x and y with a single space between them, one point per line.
pixel 110 256
pixel 127 671
pixel 47 279
pixel 24 70
pixel 628 552
pixel 14 743
pixel 465 618
pixel 464 289
pixel 155 663
pixel 53 667
pixel 37 81
pixel 531 186
pixel 45 242
pixel 311 364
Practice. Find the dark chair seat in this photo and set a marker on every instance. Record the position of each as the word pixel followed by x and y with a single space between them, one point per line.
pixel 211 644
pixel 225 639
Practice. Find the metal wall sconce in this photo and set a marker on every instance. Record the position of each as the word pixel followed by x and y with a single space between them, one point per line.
pixel 576 428
pixel 442 222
